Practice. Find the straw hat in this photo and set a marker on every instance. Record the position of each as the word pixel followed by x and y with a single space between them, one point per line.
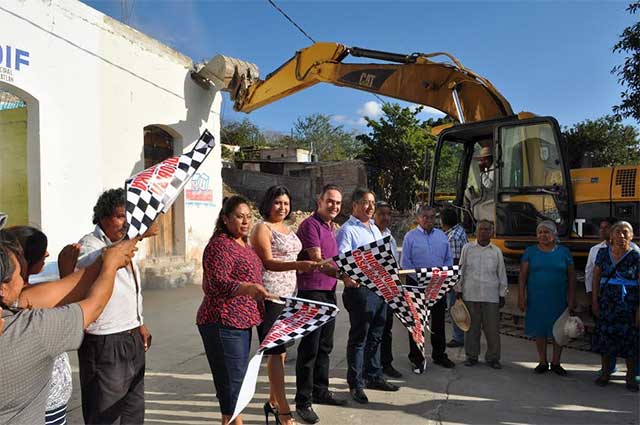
pixel 484 152
pixel 567 327
pixel 460 315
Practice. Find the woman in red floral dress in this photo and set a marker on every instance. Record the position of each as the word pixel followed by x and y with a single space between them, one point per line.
pixel 232 303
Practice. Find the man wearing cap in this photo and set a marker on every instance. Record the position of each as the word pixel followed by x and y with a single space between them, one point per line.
pixel 482 204
pixel 482 287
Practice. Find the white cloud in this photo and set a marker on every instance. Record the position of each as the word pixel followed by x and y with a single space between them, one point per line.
pixel 371 109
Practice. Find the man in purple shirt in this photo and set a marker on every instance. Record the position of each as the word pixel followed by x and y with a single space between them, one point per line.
pixel 317 234
pixel 426 246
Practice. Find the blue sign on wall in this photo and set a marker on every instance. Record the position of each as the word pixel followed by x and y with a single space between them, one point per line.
pixel 12 58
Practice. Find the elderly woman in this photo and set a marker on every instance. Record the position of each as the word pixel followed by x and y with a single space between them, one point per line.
pixel 278 248
pixel 232 304
pixel 546 284
pixel 36 332
pixel 34 247
pixel 614 301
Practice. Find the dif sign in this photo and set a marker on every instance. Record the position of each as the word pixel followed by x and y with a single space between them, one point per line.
pixel 13 58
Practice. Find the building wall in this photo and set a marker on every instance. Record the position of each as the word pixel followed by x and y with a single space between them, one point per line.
pixel 91 85
pixel 253 185
pixel 304 183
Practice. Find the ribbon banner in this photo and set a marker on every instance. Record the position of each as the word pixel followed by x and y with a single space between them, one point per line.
pixel 374 266
pixel 438 281
pixel 155 189
pixel 298 318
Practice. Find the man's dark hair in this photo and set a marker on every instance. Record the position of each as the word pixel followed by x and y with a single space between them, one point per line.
pixel 328 187
pixel 33 242
pixel 449 217
pixel 610 220
pixel 107 203
pixel 359 193
pixel 382 204
pixel 270 196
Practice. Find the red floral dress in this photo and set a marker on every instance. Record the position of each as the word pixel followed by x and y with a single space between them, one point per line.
pixel 226 264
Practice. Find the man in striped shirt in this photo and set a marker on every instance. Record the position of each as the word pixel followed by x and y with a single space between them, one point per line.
pixel 457 239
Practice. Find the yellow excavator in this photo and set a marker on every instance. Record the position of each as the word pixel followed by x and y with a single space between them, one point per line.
pixel 511 168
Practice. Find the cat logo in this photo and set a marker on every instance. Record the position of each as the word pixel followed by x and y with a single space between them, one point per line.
pixel 366 80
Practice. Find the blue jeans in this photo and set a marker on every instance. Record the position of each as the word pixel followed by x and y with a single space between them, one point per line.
pixel 457 333
pixel 367 315
pixel 227 351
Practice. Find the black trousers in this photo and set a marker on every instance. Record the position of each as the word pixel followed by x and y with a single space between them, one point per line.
pixel 312 364
pixel 112 378
pixel 438 339
pixel 386 347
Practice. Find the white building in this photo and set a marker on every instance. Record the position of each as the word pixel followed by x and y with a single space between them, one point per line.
pixel 102 101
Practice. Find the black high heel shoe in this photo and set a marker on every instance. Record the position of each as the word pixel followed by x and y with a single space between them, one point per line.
pixel 268 408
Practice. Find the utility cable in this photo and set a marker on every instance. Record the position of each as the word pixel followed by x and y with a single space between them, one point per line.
pixel 291 20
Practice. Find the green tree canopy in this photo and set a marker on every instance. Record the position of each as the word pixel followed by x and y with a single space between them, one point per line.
pixel 328 141
pixel 241 133
pixel 629 72
pixel 603 142
pixel 395 149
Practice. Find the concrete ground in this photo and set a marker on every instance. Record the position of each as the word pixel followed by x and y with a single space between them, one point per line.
pixel 179 387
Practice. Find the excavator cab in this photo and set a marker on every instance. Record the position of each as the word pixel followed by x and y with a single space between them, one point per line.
pixel 510 171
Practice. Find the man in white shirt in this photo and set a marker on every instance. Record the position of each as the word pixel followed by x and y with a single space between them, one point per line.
pixel 112 355
pixel 482 286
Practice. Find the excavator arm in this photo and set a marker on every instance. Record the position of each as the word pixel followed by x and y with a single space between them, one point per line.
pixel 446 86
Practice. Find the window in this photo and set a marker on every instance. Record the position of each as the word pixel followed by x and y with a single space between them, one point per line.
pixel 588 217
pixel 530 157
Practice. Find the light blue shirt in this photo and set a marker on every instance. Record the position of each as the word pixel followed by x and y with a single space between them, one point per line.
pixel 354 233
pixel 421 249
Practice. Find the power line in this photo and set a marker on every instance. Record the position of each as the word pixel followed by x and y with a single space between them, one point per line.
pixel 291 20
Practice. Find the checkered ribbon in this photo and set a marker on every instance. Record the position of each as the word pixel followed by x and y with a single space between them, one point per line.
pixel 298 318
pixel 155 189
pixel 438 281
pixel 419 300
pixel 374 266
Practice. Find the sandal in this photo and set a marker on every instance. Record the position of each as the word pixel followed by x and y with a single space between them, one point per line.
pixel 541 368
pixel 602 380
pixel 559 370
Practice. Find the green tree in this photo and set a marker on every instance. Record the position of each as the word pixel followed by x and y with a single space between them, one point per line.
pixel 328 141
pixel 241 133
pixel 629 72
pixel 395 149
pixel 603 142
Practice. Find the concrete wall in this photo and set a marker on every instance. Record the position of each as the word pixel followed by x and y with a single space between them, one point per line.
pixel 91 85
pixel 305 182
pixel 253 185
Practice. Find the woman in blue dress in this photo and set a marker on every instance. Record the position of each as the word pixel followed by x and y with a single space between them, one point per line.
pixel 614 302
pixel 546 284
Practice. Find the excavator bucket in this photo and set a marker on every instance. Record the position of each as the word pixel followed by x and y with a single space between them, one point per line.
pixel 228 74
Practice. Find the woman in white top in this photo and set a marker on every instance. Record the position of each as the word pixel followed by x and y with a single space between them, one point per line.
pixel 278 248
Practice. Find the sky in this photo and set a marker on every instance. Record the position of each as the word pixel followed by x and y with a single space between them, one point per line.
pixel 552 58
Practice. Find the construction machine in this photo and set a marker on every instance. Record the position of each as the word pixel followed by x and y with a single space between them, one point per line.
pixel 523 178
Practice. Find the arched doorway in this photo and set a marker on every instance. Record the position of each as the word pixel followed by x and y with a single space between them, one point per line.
pixel 158 146
pixel 14 181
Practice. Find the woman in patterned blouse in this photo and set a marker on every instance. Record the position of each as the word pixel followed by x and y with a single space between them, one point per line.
pixel 278 248
pixel 232 303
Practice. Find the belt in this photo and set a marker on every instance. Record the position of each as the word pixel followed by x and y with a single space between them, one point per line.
pixel 130 332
